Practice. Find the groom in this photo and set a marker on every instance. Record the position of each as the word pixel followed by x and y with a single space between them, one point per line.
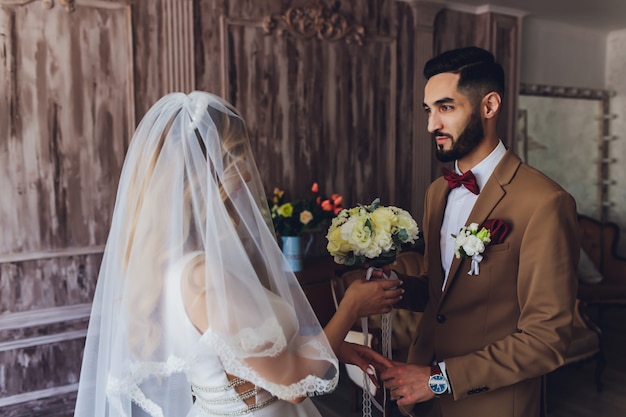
pixel 485 340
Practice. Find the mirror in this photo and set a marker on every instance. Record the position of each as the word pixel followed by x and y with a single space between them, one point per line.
pixel 564 132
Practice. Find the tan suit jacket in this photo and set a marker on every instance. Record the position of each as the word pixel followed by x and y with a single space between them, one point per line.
pixel 500 331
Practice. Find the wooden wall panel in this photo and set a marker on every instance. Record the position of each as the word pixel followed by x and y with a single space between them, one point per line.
pixel 47 282
pixel 71 102
pixel 66 117
pixel 506 46
pixel 317 110
pixel 416 144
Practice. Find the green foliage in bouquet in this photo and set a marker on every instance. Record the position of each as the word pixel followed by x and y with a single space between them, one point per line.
pixel 371 234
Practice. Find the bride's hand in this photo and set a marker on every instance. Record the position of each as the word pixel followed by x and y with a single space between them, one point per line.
pixel 367 298
pixel 365 358
pixel 380 273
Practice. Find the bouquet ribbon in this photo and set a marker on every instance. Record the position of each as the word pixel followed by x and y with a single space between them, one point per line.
pixel 386 352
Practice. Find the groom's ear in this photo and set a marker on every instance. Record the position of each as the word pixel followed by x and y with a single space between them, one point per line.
pixel 490 105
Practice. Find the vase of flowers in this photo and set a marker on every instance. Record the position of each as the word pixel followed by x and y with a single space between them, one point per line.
pixel 293 219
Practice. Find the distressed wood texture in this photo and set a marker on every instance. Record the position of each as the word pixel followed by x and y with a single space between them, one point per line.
pixel 66 116
pixel 318 109
pixel 47 283
pixel 65 124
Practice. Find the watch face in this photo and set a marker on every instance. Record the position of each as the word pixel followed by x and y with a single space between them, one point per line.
pixel 438 384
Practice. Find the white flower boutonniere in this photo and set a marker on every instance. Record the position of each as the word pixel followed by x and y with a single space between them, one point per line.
pixel 472 241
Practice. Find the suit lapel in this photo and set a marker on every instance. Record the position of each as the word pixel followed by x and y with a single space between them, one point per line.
pixel 488 199
pixel 439 199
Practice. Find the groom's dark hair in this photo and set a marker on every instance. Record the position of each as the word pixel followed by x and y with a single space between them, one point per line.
pixel 479 73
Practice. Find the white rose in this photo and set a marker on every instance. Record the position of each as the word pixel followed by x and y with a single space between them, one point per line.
pixel 406 222
pixel 305 217
pixel 356 233
pixel 473 245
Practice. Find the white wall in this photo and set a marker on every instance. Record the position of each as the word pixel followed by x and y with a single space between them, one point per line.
pixel 563 55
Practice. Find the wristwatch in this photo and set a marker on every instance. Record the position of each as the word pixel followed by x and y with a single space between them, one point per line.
pixel 437 382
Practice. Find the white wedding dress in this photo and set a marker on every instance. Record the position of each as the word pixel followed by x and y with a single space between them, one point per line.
pixel 214 397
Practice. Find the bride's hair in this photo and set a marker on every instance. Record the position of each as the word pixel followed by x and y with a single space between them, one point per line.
pixel 145 288
pixel 190 195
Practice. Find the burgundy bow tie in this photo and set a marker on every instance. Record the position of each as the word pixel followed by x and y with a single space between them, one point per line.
pixel 468 180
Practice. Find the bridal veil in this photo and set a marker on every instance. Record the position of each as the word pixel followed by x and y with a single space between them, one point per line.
pixel 190 190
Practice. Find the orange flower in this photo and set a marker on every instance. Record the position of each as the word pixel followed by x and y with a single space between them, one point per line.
pixel 336 199
pixel 315 188
pixel 333 204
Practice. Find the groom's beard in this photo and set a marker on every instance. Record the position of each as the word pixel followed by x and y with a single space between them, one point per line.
pixel 467 141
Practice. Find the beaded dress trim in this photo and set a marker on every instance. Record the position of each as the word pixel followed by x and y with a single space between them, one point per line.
pixel 207 403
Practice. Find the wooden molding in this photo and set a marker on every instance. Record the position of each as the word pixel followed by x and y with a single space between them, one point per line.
pixel 39 397
pixel 68 5
pixel 178 57
pixel 44 316
pixel 42 340
pixel 486 8
pixel 65 252
pixel 315 20
pixel 565 92
pixel 604 135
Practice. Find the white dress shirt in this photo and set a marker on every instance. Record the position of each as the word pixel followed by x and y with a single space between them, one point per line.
pixel 461 202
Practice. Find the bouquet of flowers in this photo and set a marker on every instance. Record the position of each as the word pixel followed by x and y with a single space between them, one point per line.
pixel 371 234
pixel 292 218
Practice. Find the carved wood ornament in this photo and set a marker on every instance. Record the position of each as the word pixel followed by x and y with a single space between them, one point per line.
pixel 315 20
pixel 68 5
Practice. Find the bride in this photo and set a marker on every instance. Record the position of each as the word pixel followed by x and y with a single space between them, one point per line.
pixel 195 312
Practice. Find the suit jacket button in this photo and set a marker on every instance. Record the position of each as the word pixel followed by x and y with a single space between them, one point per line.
pixel 441 318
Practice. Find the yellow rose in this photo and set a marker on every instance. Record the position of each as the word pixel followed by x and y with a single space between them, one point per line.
pixel 382 219
pixel 406 222
pixel 336 244
pixel 286 210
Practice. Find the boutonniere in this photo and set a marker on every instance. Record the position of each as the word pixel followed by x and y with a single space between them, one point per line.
pixel 472 240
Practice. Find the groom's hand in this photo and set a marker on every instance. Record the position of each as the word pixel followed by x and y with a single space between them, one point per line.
pixel 408 384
